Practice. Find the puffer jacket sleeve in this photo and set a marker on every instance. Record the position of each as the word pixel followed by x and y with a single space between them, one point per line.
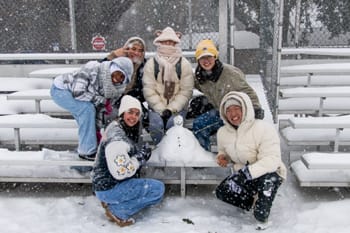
pixel 150 93
pixel 119 163
pixel 269 151
pixel 186 87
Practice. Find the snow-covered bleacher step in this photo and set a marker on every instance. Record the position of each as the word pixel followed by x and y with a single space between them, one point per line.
pixel 314 80
pixel 318 160
pixel 12 84
pixel 323 170
pixel 37 129
pixel 52 72
pixel 40 98
pixel 325 69
pixel 42 166
pixel 318 131
pixel 64 166
pixel 329 91
pixel 311 105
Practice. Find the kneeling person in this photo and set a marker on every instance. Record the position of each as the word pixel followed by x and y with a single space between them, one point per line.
pixel 253 146
pixel 115 178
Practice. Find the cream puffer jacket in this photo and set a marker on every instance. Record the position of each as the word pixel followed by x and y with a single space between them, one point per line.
pixel 153 89
pixel 254 142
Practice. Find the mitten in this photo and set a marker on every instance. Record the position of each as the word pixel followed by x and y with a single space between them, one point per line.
pixel 242 176
pixel 166 114
pixel 259 113
pixel 108 107
pixel 144 154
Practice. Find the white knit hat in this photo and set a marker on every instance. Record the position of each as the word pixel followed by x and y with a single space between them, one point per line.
pixel 167 34
pixel 128 102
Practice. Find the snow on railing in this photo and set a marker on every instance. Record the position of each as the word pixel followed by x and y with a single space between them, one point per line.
pixel 67 56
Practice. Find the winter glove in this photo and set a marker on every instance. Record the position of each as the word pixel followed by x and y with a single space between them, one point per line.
pixel 144 154
pixel 166 114
pixel 259 113
pixel 108 107
pixel 242 176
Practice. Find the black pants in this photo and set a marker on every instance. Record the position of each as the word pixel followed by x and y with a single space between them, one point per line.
pixel 265 187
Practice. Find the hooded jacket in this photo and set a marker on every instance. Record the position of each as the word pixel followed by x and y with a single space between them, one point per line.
pixel 93 81
pixel 254 142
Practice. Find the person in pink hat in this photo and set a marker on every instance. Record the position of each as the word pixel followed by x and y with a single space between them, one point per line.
pixel 167 83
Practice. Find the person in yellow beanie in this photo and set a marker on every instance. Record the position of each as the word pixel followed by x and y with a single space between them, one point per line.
pixel 215 79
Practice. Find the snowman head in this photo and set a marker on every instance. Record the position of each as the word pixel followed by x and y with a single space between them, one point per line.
pixel 178 120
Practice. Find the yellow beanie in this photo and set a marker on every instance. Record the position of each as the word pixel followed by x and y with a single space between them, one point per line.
pixel 206 48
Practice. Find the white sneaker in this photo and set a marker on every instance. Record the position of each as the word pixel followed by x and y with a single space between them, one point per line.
pixel 262 225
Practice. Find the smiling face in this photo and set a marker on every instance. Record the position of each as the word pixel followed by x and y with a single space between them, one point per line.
pixel 207 62
pixel 117 77
pixel 234 114
pixel 131 117
pixel 135 52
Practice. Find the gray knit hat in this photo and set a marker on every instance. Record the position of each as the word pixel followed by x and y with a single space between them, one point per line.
pixel 231 102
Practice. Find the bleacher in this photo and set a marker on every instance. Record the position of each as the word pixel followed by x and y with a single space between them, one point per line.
pixel 314 103
pixel 29 119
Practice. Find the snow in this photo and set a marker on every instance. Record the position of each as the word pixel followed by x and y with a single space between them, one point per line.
pixel 66 208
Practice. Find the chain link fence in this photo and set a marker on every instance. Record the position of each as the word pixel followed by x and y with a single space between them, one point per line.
pixel 44 26
pixel 70 25
pixel 304 23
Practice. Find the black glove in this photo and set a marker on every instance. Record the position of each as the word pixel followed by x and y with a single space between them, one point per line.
pixel 242 176
pixel 259 113
pixel 144 154
pixel 166 114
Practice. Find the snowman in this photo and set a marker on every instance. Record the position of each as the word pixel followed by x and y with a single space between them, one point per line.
pixel 180 145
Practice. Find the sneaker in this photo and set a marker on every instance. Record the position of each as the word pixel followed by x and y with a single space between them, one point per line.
pixel 118 221
pixel 262 225
pixel 90 157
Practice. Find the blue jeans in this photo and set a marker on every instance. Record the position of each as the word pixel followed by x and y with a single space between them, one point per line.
pixel 130 196
pixel 205 125
pixel 156 124
pixel 84 113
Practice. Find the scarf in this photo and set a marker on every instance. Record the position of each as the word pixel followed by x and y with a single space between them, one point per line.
pixel 167 57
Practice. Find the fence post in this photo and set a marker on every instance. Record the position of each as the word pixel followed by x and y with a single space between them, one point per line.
pixel 276 54
pixel 72 26
pixel 223 30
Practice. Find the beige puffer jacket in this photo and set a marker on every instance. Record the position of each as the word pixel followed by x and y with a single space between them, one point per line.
pixel 153 89
pixel 254 141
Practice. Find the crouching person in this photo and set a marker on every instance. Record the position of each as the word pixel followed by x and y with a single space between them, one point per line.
pixel 253 147
pixel 115 178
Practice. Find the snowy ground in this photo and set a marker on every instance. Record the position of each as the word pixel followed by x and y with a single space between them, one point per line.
pixel 71 208
pixel 66 208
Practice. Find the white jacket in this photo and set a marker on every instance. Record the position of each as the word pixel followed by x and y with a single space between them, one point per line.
pixel 254 142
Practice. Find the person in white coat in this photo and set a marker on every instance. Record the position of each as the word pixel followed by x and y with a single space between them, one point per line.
pixel 253 148
pixel 167 83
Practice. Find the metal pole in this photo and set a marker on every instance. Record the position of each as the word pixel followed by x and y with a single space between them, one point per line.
pixel 276 50
pixel 297 23
pixel 72 26
pixel 232 31
pixel 223 30
pixel 190 23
